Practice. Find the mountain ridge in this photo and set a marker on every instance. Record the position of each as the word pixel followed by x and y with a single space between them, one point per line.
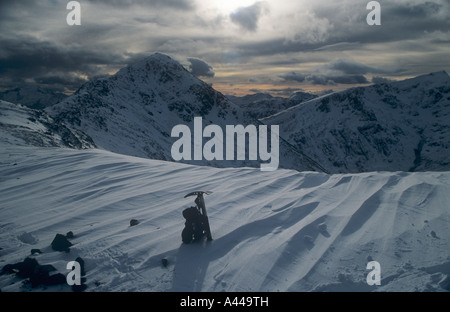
pixel 32 97
pixel 380 127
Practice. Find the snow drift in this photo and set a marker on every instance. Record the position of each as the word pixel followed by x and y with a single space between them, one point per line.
pixel 277 231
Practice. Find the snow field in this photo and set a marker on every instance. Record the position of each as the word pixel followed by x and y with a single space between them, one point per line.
pixel 272 231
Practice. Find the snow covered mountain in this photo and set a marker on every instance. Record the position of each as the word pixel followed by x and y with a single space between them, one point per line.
pixel 272 231
pixel 398 126
pixel 33 97
pixel 260 105
pixel 134 112
pixel 24 126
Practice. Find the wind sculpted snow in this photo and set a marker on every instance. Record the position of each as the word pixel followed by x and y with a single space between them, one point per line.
pixel 273 231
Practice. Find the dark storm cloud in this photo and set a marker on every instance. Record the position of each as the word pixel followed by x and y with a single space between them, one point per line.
pixel 314 79
pixel 175 4
pixel 200 68
pixel 352 68
pixel 339 71
pixel 419 11
pixel 403 21
pixel 349 30
pixel 349 67
pixel 248 17
pixel 293 76
pixel 37 46
pixel 27 58
pixel 399 19
pixel 273 46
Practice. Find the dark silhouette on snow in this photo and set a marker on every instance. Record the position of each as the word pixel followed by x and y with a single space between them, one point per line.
pixel 197 223
pixel 194 227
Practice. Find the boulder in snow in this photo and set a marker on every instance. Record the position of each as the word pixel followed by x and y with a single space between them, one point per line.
pixel 134 222
pixel 60 243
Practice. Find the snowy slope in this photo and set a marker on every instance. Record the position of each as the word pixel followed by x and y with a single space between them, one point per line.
pixel 394 126
pixel 20 125
pixel 277 231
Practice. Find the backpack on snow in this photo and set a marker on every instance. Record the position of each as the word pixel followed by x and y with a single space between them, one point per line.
pixel 194 227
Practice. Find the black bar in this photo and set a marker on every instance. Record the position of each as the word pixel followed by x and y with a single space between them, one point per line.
pixel 254 301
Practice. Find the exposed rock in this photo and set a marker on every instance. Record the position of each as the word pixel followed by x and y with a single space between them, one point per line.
pixel 35 251
pixel 60 243
pixel 134 222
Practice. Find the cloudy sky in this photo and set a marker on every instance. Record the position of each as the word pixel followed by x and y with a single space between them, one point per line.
pixel 241 47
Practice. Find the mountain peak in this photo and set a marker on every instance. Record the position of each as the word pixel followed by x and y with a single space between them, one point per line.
pixel 161 57
pixel 156 69
pixel 134 111
pixel 158 58
pixel 434 78
pixel 441 73
pixel 438 76
pixel 155 63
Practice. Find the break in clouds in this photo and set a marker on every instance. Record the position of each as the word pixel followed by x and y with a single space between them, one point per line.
pixel 284 43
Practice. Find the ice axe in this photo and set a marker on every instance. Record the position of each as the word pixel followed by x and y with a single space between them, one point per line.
pixel 200 201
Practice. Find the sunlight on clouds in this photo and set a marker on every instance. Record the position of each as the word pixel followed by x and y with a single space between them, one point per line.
pixel 228 6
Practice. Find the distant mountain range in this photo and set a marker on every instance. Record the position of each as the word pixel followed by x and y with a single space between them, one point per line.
pixel 260 105
pixel 396 126
pixel 32 96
